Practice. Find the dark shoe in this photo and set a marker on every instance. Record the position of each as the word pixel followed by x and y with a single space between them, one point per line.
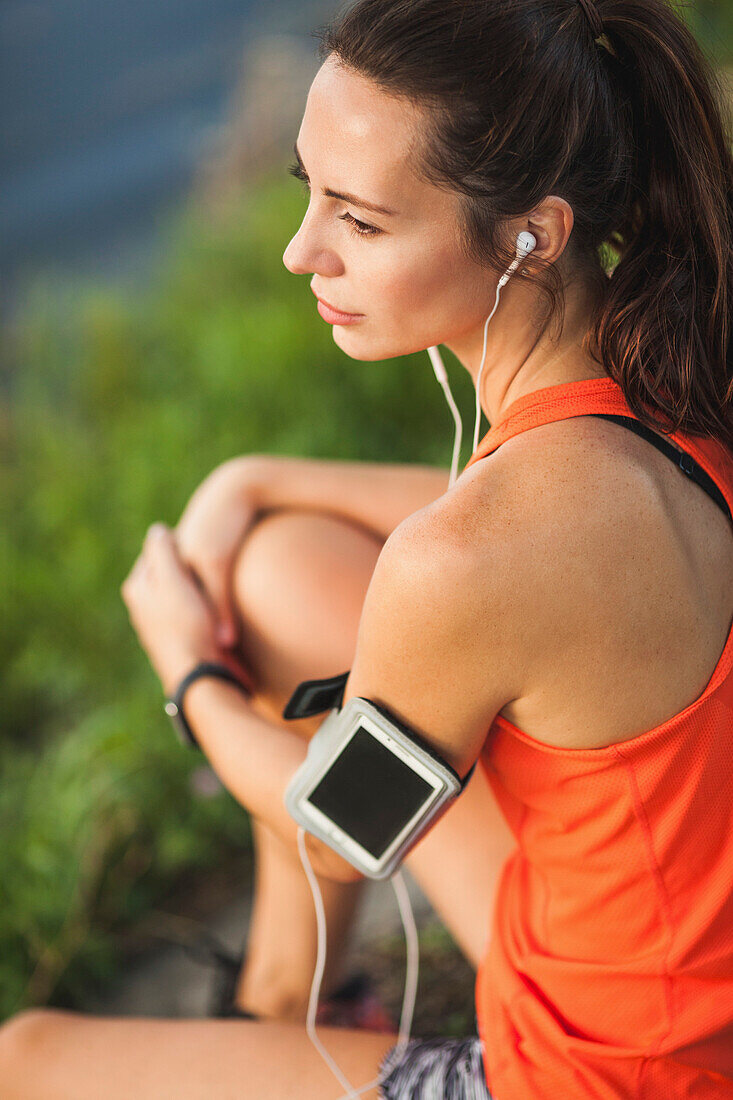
pixel 211 952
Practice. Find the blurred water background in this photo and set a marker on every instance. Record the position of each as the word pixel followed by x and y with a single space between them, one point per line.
pixel 149 332
pixel 106 111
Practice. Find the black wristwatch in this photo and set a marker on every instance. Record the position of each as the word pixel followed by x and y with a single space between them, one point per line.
pixel 174 705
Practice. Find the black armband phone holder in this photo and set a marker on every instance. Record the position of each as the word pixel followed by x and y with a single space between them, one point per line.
pixel 370 786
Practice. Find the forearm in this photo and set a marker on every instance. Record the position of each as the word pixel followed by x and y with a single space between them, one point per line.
pixel 255 761
pixel 377 496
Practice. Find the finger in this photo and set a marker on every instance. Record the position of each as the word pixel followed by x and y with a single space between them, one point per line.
pixel 138 567
pixel 159 535
pixel 216 582
pixel 212 573
pixel 160 546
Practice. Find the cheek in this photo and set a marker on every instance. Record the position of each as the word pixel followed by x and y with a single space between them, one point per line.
pixel 415 295
pixel 434 295
pixel 413 286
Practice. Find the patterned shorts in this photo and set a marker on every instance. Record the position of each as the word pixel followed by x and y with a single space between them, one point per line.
pixel 435 1069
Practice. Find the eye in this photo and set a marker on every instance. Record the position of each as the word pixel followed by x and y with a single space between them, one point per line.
pixel 297 171
pixel 359 229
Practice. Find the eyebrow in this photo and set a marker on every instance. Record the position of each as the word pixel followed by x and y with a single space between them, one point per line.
pixel 345 196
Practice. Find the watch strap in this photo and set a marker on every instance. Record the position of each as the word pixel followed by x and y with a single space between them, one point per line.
pixel 174 705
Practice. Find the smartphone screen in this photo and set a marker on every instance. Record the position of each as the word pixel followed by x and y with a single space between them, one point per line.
pixel 369 793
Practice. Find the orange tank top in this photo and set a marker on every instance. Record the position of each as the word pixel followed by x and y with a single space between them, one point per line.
pixel 608 970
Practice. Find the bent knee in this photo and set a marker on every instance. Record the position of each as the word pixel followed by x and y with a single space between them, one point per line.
pixel 26 1043
pixel 299 585
pixel 295 551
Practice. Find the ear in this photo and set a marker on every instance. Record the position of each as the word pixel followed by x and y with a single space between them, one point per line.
pixel 552 223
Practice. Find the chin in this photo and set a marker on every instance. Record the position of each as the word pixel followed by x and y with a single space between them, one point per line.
pixel 366 352
pixel 344 337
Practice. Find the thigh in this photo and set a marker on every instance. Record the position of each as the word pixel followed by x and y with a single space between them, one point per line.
pixel 52 1055
pixel 457 864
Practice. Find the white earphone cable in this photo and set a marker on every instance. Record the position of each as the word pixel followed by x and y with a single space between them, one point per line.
pixel 478 380
pixel 526 243
pixel 408 1001
pixel 442 376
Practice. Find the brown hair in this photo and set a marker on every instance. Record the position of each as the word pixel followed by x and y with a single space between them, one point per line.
pixel 631 128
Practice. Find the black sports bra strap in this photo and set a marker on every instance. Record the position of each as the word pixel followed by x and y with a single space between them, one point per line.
pixel 686 462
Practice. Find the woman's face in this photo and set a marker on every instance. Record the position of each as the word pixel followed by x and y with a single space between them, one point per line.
pixel 404 274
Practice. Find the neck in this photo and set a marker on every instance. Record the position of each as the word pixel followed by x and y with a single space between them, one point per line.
pixel 518 359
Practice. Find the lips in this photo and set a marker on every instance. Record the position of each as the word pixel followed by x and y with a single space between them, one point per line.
pixel 336 309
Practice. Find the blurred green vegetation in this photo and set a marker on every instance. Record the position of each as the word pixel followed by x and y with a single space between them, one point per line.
pixel 117 408
pixel 712 22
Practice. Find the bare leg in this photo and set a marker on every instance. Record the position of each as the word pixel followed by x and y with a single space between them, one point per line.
pixel 300 583
pixel 276 978
pixel 51 1055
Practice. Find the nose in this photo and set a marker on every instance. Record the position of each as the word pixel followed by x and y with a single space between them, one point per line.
pixel 294 257
pixel 307 254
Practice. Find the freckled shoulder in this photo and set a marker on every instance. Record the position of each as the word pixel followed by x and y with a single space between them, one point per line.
pixel 468 590
pixel 540 481
pixel 575 534
pixel 472 549
pixel 520 531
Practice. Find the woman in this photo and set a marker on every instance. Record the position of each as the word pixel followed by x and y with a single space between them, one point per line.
pixel 563 612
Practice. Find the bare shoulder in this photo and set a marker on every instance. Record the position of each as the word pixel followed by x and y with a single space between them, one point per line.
pixel 623 577
pixel 542 504
pixel 561 485
pixel 573 581
pixel 423 649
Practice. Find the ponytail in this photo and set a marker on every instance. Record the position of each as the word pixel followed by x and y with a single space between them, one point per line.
pixel 664 329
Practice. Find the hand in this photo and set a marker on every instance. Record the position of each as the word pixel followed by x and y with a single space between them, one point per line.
pixel 172 617
pixel 210 534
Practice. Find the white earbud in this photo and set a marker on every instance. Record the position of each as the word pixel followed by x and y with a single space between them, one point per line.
pixel 526 243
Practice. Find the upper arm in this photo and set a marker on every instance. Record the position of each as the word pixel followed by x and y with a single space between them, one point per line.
pixel 450 623
pixel 433 645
